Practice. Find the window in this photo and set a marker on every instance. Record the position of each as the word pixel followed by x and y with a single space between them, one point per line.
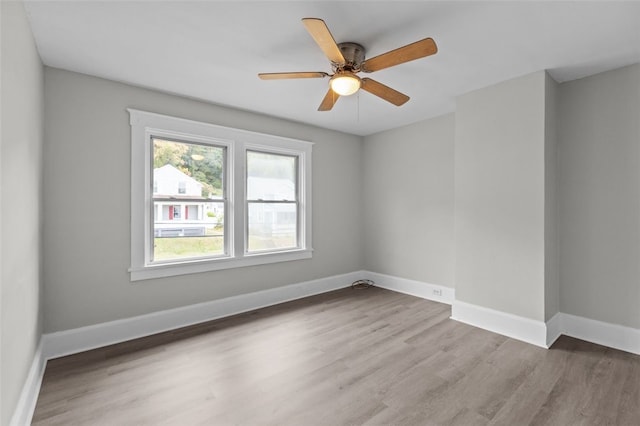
pixel 191 174
pixel 207 197
pixel 272 201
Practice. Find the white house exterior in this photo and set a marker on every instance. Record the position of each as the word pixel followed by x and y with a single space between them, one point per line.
pixel 271 219
pixel 179 208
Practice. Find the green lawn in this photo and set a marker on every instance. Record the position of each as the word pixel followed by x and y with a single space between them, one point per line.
pixel 259 243
pixel 180 247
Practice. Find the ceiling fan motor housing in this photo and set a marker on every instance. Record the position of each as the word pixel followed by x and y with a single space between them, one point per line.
pixel 353 56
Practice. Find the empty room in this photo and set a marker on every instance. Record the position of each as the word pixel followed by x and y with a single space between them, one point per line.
pixel 319 213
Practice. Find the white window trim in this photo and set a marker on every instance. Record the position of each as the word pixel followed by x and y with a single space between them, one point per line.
pixel 146 124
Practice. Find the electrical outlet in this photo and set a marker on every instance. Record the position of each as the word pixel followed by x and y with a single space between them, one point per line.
pixel 437 292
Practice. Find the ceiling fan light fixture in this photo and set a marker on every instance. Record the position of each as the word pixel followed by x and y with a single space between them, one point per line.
pixel 345 83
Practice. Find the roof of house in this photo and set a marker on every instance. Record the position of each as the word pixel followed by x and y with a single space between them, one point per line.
pixel 169 171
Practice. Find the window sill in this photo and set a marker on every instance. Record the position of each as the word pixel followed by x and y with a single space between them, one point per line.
pixel 197 266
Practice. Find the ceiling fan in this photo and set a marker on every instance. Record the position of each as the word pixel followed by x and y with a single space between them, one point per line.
pixel 347 60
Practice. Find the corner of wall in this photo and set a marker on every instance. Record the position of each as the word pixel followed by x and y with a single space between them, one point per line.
pixel 551 234
pixel 22 141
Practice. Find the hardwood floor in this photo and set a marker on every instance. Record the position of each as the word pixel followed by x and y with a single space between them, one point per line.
pixel 348 357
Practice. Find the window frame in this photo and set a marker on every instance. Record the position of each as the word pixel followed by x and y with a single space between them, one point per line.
pixel 247 201
pixel 154 134
pixel 146 125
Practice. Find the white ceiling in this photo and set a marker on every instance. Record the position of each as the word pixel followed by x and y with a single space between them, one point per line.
pixel 213 50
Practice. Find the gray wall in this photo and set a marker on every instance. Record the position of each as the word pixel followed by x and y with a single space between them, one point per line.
pixel 21 195
pixel 87 205
pixel 500 195
pixel 599 183
pixel 408 201
pixel 510 187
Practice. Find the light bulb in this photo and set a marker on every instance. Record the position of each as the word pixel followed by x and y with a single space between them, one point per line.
pixel 345 83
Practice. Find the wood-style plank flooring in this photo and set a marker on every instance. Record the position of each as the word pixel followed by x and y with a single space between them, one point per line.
pixel 348 357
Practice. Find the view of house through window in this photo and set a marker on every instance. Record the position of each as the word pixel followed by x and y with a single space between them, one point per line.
pixel 206 197
pixel 272 201
pixel 188 200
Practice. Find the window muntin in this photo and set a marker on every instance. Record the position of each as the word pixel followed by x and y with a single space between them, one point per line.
pixel 272 202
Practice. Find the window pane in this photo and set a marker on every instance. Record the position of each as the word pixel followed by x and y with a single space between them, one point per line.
pixel 271 176
pixel 186 179
pixel 187 170
pixel 187 230
pixel 272 226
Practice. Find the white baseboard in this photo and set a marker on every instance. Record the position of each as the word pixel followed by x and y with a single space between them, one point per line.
pixel 94 336
pixel 520 328
pixel 602 333
pixel 23 412
pixel 545 334
pixel 420 289
pixel 554 329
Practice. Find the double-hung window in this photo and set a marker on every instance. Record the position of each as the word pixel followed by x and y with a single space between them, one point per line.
pixel 206 197
pixel 189 199
pixel 272 201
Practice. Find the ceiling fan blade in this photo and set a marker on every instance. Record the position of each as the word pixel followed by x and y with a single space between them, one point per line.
pixel 384 92
pixel 407 53
pixel 321 34
pixel 281 75
pixel 329 101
